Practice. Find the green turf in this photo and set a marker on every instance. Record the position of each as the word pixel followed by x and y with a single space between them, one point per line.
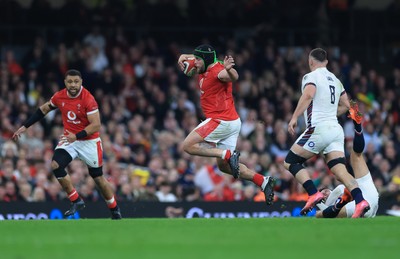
pixel 201 238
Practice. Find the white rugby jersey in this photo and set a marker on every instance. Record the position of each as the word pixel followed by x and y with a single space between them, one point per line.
pixel 323 107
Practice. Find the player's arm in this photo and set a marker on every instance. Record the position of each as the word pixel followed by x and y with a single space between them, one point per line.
pixel 35 117
pixel 344 104
pixel 93 127
pixel 94 123
pixel 302 105
pixel 229 74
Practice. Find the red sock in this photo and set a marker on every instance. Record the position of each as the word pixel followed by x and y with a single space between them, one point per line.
pixel 258 179
pixel 111 203
pixel 73 196
pixel 226 154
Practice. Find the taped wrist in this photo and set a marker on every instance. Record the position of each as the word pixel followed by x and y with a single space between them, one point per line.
pixel 81 134
pixel 37 116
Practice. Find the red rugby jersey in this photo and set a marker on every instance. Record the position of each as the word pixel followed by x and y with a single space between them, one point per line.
pixel 75 110
pixel 216 96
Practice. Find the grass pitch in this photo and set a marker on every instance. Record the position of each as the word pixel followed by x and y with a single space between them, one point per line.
pixel 201 238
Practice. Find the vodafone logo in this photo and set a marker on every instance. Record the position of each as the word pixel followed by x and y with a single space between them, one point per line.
pixel 71 115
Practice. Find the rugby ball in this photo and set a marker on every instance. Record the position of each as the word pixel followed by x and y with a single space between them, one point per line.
pixel 189 68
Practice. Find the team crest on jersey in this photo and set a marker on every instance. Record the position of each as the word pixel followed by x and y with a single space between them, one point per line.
pixel 311 144
pixel 62 104
pixel 305 77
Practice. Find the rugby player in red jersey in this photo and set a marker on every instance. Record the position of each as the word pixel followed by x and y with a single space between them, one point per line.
pixel 222 125
pixel 81 139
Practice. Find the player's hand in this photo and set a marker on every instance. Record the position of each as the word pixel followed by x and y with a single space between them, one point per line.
pixel 18 133
pixel 183 58
pixel 229 62
pixel 68 138
pixel 291 126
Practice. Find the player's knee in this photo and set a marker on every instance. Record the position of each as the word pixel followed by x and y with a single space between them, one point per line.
pixel 335 161
pixel 96 172
pixel 295 168
pixel 187 147
pixel 54 165
pixel 60 161
pixel 294 163
pixel 59 173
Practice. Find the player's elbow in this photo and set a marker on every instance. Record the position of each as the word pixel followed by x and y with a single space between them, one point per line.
pixel 235 76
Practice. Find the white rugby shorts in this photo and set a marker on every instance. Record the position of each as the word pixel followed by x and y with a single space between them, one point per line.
pixel 322 138
pixel 89 151
pixel 223 134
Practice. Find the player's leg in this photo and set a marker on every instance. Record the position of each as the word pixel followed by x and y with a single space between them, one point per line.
pixel 357 161
pixel 91 152
pixel 266 183
pixel 106 191
pixel 358 164
pixel 341 214
pixel 213 131
pixel 294 164
pixel 336 209
pixel 61 158
pixel 336 163
pixel 195 145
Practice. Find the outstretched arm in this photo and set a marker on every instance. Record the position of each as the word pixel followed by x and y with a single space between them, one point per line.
pixel 37 116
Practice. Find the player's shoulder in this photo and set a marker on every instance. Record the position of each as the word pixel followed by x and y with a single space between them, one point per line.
pixel 216 68
pixel 333 78
pixel 60 94
pixel 86 94
pixel 309 77
pixel 87 97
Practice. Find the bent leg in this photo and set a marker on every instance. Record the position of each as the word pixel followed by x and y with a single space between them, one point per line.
pixel 60 161
pixel 336 164
pixel 101 182
pixel 194 144
pixel 294 163
pixel 106 191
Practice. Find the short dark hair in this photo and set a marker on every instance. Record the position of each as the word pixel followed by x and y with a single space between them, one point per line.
pixel 319 54
pixel 73 72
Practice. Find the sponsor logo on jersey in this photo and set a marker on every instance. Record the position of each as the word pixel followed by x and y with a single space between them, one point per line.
pixel 72 118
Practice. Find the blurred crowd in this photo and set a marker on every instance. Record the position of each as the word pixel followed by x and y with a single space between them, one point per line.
pixel 148 106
